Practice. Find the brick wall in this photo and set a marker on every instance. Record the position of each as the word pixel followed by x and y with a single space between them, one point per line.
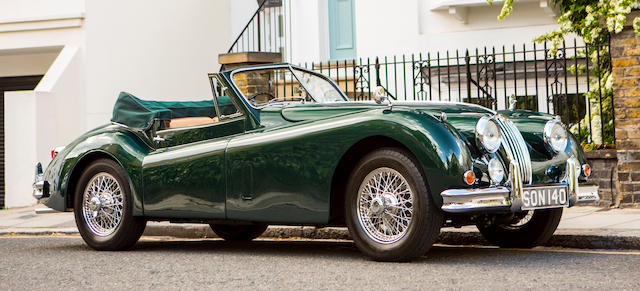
pixel 604 173
pixel 625 58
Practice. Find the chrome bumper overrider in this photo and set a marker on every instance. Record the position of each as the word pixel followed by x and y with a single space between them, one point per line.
pixel 40 186
pixel 503 198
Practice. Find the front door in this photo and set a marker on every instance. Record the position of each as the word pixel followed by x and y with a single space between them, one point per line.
pixel 342 37
pixel 185 177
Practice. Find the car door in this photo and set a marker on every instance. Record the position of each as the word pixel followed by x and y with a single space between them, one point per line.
pixel 185 176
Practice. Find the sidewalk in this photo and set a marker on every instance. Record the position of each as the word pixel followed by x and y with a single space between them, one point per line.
pixel 581 227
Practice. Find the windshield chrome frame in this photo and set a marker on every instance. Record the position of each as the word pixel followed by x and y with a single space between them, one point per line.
pixel 291 69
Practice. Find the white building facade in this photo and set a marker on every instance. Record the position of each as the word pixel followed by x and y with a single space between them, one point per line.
pixel 84 53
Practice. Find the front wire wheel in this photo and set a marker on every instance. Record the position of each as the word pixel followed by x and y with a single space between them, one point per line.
pixel 385 206
pixel 388 209
pixel 525 230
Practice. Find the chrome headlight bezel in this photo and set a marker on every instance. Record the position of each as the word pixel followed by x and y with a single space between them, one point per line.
pixel 550 129
pixel 484 129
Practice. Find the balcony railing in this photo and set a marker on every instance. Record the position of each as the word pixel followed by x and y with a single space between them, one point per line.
pixel 266 30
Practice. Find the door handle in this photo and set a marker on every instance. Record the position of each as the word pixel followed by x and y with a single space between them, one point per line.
pixel 159 139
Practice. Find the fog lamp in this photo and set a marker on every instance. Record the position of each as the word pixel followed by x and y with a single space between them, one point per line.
pixel 496 171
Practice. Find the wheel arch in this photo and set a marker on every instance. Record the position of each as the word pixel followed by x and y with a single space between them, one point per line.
pixel 434 146
pixel 348 162
pixel 78 169
pixel 117 147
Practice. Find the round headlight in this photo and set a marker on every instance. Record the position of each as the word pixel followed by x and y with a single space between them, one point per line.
pixel 488 134
pixel 496 171
pixel 555 135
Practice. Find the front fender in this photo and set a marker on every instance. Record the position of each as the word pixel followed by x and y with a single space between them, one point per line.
pixel 115 142
pixel 441 152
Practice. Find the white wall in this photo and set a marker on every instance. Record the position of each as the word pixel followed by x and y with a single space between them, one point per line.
pixel 386 28
pixel 410 26
pixel 32 35
pixel 21 9
pixel 305 31
pixel 153 49
pixel 20 147
pixel 60 103
pixel 240 12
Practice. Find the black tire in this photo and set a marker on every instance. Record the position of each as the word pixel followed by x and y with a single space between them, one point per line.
pixel 128 230
pixel 538 230
pixel 425 219
pixel 238 232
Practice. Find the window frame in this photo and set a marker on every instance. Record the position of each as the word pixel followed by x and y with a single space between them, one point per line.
pixel 222 117
pixel 291 69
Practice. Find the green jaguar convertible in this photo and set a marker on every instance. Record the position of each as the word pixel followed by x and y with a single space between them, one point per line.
pixel 282 145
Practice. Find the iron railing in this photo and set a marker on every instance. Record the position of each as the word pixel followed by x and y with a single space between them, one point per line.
pixel 266 30
pixel 562 81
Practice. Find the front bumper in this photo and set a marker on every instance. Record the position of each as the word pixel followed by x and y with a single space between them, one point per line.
pixel 508 198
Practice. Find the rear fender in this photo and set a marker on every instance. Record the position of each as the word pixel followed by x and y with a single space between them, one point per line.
pixel 120 145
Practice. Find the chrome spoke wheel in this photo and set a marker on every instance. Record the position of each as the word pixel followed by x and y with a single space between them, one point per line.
pixel 385 205
pixel 103 204
pixel 519 221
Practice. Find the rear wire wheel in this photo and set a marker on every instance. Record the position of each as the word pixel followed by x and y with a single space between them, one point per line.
pixel 103 208
pixel 389 211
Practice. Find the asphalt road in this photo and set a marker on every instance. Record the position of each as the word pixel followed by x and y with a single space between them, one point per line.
pixel 57 262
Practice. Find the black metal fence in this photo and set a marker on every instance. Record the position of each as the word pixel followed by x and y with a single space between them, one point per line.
pixel 266 31
pixel 563 81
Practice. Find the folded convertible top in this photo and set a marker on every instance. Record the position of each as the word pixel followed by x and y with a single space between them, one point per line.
pixel 137 113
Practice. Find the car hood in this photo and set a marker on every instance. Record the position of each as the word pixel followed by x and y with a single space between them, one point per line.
pixel 461 116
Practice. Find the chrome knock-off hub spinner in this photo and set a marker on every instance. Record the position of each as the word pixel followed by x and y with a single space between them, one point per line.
pixel 377 206
pixel 103 204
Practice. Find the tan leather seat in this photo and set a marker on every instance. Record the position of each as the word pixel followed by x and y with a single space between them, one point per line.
pixel 190 121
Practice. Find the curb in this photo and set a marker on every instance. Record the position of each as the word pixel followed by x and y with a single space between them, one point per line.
pixel 566 239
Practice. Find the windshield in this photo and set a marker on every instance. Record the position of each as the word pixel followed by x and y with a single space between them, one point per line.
pixel 262 87
pixel 322 90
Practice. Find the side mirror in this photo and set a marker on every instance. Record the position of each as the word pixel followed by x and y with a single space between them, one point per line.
pixel 380 95
pixel 512 102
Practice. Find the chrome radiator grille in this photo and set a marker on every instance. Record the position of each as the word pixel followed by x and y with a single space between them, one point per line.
pixel 515 147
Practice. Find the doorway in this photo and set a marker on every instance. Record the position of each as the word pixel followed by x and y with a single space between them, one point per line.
pixel 11 84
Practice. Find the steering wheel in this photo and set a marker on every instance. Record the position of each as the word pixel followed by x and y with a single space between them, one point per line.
pixel 252 98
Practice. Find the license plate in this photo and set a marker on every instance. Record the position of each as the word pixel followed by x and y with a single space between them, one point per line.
pixel 544 197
